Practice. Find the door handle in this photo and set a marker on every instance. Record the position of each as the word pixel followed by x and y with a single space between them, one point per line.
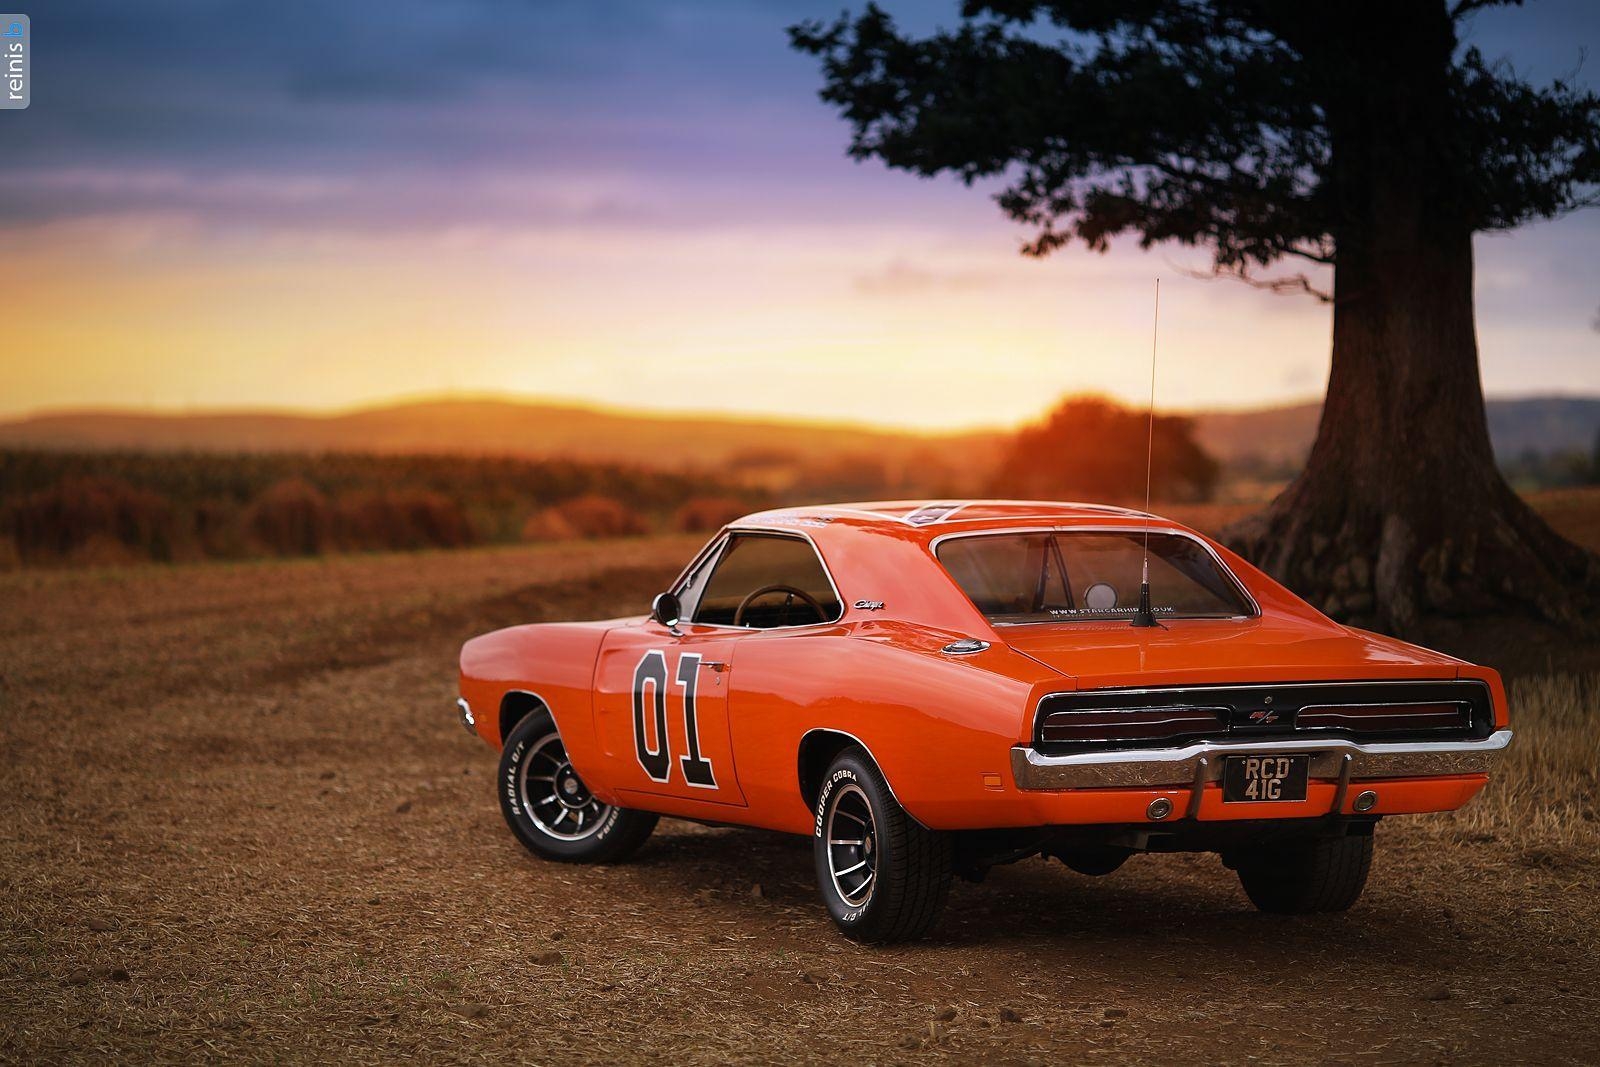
pixel 715 665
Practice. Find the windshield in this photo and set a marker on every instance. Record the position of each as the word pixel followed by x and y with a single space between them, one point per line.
pixel 1066 575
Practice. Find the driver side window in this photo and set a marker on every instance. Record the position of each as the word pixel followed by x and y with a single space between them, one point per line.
pixel 767 580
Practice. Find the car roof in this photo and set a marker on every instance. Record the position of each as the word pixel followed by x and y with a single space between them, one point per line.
pixel 874 550
pixel 927 519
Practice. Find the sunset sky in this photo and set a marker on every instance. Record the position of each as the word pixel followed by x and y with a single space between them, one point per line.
pixel 637 203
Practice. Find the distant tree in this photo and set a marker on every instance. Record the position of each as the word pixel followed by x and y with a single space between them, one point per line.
pixel 847 477
pixel 83 516
pixel 398 519
pixel 590 517
pixel 1355 134
pixel 1088 448
pixel 702 514
pixel 290 518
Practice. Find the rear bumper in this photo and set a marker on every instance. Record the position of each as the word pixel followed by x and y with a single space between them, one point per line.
pixel 1197 764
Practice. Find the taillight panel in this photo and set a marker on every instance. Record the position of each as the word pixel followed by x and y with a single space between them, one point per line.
pixel 1131 724
pixel 1361 711
pixel 1403 718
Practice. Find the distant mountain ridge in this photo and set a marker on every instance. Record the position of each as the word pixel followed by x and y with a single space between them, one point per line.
pixel 1279 435
pixel 493 427
pixel 1538 424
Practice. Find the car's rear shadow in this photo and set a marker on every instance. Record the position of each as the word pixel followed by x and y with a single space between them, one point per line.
pixel 1183 906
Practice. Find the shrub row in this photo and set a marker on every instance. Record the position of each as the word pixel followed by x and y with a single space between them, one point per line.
pixel 102 520
pixel 117 507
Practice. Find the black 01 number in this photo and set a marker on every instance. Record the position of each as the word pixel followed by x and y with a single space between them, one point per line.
pixel 650 710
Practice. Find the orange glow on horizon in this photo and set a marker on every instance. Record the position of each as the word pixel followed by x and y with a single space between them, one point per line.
pixel 888 328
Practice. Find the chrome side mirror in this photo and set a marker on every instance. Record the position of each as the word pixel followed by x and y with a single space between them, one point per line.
pixel 666 610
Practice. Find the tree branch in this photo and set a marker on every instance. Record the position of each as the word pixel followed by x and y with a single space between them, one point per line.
pixel 1295 284
pixel 1321 259
pixel 1467 7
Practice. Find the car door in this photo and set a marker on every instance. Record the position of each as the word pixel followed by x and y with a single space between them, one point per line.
pixel 662 695
pixel 661 707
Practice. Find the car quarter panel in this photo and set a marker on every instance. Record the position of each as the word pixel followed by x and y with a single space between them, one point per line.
pixel 551 661
pixel 940 727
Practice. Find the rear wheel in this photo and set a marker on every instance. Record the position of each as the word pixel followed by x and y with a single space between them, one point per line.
pixel 549 808
pixel 882 875
pixel 1095 861
pixel 1300 877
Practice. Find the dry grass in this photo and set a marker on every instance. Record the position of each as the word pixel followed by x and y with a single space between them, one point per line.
pixel 1574 513
pixel 238 821
pixel 1546 789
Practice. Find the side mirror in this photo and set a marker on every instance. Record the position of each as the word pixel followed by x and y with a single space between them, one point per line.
pixel 666 610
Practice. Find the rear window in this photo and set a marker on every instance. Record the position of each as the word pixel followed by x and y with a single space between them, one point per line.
pixel 1064 576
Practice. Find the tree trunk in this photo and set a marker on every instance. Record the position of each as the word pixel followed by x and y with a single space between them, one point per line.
pixel 1401 514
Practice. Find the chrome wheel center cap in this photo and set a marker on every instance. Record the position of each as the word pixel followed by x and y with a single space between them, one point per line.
pixel 569 790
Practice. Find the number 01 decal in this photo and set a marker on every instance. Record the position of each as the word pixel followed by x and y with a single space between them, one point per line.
pixel 650 717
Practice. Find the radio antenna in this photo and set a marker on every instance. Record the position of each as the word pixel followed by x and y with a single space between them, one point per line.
pixel 1144 616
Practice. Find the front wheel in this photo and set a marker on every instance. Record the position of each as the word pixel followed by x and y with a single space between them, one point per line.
pixel 1301 877
pixel 549 808
pixel 883 876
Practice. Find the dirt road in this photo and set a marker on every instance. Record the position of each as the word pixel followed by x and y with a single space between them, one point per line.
pixel 238 819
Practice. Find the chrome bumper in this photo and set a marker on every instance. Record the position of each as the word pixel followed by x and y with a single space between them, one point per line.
pixel 465 711
pixel 1201 762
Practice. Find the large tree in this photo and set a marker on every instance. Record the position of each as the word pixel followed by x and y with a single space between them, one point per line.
pixel 1356 134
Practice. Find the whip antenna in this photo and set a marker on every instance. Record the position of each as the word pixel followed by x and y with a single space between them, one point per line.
pixel 1144 616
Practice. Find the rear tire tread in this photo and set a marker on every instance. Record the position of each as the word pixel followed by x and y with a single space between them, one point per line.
pixel 911 896
pixel 1322 875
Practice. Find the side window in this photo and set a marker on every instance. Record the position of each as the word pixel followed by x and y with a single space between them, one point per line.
pixel 693 585
pixel 767 580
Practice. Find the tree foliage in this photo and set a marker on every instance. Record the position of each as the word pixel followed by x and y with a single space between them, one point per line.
pixel 1088 448
pixel 1228 124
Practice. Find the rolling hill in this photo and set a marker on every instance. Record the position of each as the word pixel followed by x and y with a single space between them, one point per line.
pixel 1283 435
pixel 1278 435
pixel 496 427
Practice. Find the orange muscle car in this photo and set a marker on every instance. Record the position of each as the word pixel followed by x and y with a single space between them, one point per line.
pixel 930 689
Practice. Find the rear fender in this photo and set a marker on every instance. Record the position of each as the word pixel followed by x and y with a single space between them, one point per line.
pixel 939 726
pixel 509 672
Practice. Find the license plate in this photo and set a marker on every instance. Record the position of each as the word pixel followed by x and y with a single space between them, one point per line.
pixel 1254 779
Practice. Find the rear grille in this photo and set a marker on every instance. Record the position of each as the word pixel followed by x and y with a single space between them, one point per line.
pixel 1359 711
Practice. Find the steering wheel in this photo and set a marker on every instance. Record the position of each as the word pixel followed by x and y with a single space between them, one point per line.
pixel 809 600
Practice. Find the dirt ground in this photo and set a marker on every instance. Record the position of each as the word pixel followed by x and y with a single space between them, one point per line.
pixel 238 819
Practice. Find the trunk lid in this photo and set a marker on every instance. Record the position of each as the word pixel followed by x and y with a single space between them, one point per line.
pixel 1212 651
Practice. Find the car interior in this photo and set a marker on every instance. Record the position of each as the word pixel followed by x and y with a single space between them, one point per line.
pixel 762 581
pixel 1033 577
